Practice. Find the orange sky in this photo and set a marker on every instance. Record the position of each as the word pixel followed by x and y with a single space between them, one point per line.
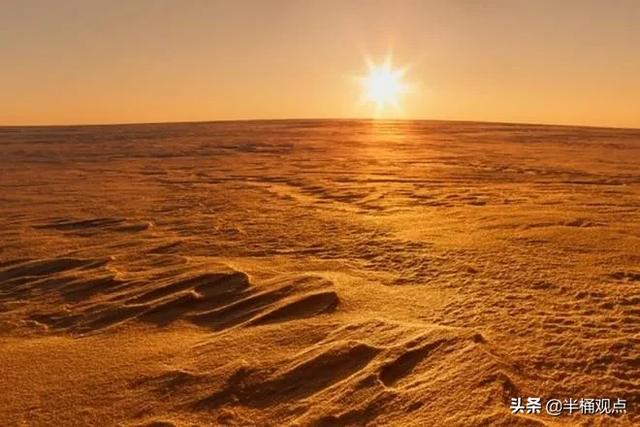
pixel 114 61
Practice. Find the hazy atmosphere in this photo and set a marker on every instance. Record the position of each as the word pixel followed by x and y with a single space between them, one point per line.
pixel 441 228
pixel 74 62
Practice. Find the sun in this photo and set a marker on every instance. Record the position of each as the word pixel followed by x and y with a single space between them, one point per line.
pixel 384 85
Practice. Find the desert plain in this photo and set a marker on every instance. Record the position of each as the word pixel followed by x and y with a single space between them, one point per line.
pixel 317 273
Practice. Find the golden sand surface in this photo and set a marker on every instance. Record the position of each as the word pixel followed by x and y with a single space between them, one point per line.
pixel 318 273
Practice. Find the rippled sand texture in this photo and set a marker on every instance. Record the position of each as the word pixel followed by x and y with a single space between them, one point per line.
pixel 316 273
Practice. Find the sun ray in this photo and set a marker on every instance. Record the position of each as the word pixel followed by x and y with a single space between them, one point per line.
pixel 384 85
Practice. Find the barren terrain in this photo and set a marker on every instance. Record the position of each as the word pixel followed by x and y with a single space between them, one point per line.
pixel 317 273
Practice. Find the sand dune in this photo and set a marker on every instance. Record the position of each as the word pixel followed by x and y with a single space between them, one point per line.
pixel 317 273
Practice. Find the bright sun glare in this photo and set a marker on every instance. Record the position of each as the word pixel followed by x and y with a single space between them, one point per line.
pixel 384 85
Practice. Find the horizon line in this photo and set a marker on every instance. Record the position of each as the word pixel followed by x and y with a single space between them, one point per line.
pixel 362 119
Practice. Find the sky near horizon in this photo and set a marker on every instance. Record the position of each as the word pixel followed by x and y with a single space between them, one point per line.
pixel 78 62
